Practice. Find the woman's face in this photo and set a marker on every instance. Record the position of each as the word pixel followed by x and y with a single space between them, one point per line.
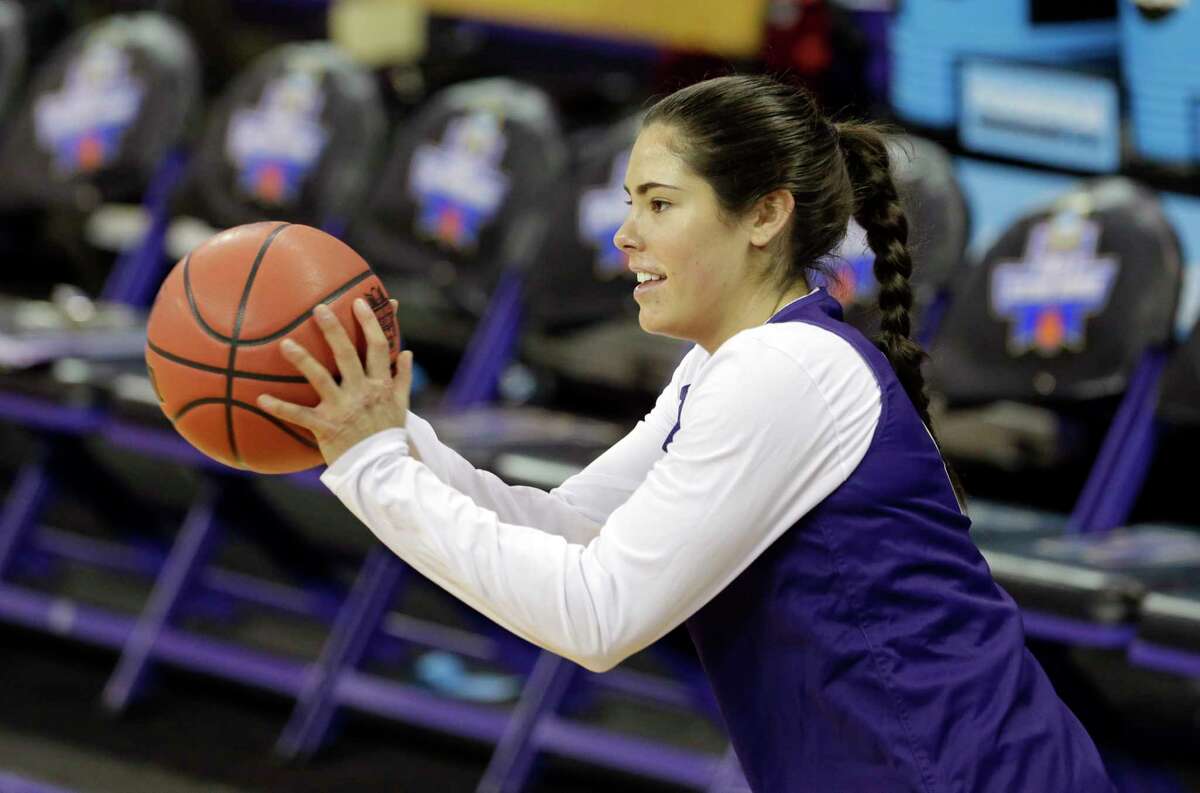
pixel 673 231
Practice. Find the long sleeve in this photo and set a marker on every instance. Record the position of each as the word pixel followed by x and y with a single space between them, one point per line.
pixel 762 440
pixel 576 509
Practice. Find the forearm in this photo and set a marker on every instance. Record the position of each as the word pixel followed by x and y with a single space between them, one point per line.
pixel 516 504
pixel 521 576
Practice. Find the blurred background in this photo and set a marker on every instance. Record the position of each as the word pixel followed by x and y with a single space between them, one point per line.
pixel 171 624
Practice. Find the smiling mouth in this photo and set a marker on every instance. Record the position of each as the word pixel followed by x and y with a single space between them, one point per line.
pixel 646 284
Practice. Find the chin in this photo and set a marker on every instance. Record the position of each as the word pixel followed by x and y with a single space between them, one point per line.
pixel 649 322
pixel 657 325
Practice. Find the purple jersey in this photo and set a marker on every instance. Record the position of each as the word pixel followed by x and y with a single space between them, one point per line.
pixel 868 650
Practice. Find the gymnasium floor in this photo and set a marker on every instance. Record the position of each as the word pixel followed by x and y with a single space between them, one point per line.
pixel 196 734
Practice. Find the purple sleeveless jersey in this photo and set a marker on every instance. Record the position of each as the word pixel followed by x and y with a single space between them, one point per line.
pixel 868 650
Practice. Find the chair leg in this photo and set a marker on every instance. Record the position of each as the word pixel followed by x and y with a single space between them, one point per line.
pixel 185 561
pixel 511 763
pixel 1124 457
pixel 35 485
pixel 356 624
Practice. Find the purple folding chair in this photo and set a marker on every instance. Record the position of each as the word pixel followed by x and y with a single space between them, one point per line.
pixel 1073 311
pixel 293 137
pixel 100 126
pixel 1168 627
pixel 464 184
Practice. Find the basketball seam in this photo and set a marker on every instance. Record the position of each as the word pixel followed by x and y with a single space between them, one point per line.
pixel 195 403
pixel 286 329
pixel 187 290
pixel 237 330
pixel 204 367
pixel 298 321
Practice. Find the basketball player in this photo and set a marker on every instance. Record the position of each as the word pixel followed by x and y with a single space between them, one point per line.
pixel 785 497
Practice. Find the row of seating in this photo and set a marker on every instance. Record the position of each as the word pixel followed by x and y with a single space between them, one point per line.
pixel 425 222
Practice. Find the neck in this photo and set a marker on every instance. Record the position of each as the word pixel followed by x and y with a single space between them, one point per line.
pixel 752 312
pixel 790 296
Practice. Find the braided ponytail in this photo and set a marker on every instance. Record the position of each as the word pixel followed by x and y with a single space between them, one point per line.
pixel 878 211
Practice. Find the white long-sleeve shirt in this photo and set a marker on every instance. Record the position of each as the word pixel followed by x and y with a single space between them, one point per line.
pixel 638 541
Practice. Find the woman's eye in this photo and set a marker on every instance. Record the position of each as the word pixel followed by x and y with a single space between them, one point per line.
pixel 656 204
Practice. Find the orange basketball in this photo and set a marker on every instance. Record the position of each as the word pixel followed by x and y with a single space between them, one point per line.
pixel 212 344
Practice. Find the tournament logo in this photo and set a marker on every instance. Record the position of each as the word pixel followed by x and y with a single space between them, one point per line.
pixel 1049 295
pixel 854 279
pixel 458 184
pixel 853 274
pixel 602 210
pixel 275 144
pixel 84 122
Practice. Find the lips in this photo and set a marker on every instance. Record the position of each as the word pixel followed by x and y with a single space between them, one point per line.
pixel 647 279
pixel 647 286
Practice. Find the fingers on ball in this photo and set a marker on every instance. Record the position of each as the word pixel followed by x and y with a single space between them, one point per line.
pixel 316 374
pixel 378 361
pixel 339 343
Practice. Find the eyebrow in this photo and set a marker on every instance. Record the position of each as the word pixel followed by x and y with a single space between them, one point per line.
pixel 642 188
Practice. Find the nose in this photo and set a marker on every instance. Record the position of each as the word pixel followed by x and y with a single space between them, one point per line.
pixel 625 239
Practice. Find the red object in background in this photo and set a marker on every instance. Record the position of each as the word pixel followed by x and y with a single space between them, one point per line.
pixel 797 48
pixel 90 153
pixel 270 184
pixel 798 40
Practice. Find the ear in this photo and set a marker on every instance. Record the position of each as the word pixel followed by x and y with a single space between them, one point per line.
pixel 769 215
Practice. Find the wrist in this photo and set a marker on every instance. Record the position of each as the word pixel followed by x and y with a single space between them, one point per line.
pixel 344 447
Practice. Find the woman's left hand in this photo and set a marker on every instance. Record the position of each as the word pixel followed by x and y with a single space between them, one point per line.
pixel 365 402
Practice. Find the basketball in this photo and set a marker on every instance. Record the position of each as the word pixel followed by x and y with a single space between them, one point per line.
pixel 212 342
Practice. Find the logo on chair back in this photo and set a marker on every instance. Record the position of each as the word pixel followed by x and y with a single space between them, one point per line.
pixel 853 279
pixel 853 266
pixel 275 144
pixel 458 184
pixel 1049 295
pixel 83 122
pixel 852 269
pixel 602 210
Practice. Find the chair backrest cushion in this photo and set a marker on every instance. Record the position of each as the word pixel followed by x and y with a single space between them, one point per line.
pixel 464 175
pixel 101 113
pixel 1065 303
pixel 294 137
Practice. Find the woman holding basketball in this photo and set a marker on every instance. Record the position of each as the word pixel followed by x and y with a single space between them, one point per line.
pixel 784 497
